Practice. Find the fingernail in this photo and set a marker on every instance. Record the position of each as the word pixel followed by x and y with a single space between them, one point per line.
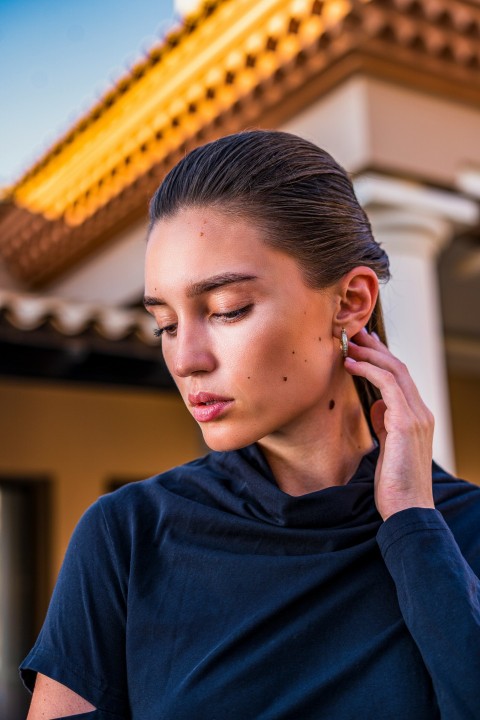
pixel 350 360
pixel 375 335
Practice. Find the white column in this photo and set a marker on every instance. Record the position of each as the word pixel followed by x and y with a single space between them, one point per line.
pixel 414 223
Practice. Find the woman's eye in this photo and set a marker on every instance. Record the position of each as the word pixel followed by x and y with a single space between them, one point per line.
pixel 167 330
pixel 230 316
pixel 233 314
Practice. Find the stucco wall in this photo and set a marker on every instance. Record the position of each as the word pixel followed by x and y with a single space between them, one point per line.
pixel 81 438
pixel 465 408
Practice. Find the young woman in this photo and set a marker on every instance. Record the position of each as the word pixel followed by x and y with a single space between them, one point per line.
pixel 315 564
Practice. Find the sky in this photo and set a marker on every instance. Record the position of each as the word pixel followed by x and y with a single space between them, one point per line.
pixel 57 57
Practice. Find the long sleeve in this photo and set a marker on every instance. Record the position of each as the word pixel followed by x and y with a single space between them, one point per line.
pixel 439 597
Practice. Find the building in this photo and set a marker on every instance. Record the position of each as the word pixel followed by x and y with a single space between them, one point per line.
pixel 390 87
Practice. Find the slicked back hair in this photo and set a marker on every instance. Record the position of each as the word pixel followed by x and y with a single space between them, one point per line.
pixel 300 198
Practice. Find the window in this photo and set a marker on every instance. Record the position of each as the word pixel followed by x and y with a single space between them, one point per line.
pixel 23 583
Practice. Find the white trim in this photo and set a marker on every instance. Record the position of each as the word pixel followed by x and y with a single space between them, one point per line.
pixel 468 181
pixel 376 189
pixel 28 312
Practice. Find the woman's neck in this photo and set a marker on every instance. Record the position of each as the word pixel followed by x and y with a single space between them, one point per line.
pixel 323 452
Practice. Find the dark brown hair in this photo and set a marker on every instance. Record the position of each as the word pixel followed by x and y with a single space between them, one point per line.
pixel 303 201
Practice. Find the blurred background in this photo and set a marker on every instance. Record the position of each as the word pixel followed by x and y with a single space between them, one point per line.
pixel 100 100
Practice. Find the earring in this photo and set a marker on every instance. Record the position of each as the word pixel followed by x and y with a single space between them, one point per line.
pixel 344 343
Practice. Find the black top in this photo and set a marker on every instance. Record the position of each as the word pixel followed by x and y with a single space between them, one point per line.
pixel 207 593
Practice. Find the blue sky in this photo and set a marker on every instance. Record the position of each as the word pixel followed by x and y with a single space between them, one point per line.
pixel 56 58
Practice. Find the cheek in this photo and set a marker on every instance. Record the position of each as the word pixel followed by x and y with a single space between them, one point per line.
pixel 169 358
pixel 278 357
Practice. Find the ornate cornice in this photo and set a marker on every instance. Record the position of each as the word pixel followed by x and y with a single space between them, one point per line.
pixel 235 64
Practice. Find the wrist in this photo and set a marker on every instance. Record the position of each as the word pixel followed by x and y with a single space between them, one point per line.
pixel 405 505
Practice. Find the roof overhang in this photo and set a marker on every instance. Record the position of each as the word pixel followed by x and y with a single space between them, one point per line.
pixel 235 64
pixel 49 338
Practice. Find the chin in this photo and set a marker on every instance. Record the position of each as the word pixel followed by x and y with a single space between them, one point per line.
pixel 225 441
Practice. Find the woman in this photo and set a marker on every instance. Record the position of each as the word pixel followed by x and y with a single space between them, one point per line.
pixel 301 570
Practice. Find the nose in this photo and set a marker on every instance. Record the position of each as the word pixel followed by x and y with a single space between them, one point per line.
pixel 192 353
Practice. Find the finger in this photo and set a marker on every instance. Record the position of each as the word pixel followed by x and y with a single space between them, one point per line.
pixel 369 339
pixel 389 362
pixel 373 337
pixel 372 341
pixel 399 418
pixel 399 414
pixel 377 415
pixel 385 381
pixel 374 351
pixel 363 340
pixel 369 348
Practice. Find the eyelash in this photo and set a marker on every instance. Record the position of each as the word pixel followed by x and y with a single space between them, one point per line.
pixel 225 317
pixel 158 332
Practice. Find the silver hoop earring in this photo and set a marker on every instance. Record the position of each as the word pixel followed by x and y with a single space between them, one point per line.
pixel 344 342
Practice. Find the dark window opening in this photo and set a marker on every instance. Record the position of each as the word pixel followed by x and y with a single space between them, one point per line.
pixel 24 554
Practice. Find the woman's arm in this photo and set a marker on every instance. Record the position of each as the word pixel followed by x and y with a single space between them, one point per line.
pixel 52 700
pixel 403 425
pixel 439 597
pixel 82 641
pixel 438 592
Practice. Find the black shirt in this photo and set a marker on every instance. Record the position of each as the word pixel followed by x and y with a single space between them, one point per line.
pixel 207 593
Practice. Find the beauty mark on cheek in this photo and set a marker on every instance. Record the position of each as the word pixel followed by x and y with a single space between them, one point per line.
pixel 285 379
pixel 331 404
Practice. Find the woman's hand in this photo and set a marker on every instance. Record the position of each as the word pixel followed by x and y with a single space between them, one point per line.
pixel 402 423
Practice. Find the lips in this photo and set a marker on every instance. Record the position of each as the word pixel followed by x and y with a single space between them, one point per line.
pixel 207 407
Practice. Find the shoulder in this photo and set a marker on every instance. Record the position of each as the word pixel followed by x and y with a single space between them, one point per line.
pixel 131 517
pixel 176 481
pixel 149 499
pixel 459 503
pixel 451 491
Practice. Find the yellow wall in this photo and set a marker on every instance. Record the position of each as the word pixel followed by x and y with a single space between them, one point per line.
pixel 465 407
pixel 83 437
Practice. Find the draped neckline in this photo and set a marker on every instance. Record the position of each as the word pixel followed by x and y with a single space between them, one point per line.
pixel 252 480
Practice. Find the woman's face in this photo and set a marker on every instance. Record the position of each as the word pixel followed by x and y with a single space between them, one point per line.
pixel 249 345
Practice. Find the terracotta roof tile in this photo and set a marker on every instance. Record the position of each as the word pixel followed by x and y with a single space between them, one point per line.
pixel 223 70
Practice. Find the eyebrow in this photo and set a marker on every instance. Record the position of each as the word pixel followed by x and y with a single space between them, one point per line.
pixel 204 286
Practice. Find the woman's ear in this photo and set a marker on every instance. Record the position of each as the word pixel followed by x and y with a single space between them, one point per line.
pixel 357 294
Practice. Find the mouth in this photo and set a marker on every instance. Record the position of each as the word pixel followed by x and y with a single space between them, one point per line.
pixel 206 407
